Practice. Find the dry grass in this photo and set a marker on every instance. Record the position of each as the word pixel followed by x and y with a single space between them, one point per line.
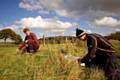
pixel 47 64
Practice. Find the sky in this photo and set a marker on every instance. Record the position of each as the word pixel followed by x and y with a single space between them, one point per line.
pixel 60 17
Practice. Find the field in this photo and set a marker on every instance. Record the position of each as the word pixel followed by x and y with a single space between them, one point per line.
pixel 48 63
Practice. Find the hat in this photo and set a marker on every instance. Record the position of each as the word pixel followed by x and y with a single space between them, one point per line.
pixel 79 32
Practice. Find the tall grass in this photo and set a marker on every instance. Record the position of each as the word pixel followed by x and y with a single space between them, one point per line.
pixel 47 64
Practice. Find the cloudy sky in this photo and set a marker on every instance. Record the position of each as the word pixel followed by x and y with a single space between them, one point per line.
pixel 60 17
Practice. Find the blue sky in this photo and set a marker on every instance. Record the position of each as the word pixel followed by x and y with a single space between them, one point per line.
pixel 59 18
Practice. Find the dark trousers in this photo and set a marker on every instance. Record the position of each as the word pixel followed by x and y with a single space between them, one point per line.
pixel 30 47
pixel 107 63
pixel 111 69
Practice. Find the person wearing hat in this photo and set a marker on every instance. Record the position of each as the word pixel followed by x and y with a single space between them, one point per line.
pixel 101 53
pixel 30 44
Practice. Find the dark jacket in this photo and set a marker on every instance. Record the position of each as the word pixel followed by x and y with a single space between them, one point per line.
pixel 31 38
pixel 98 45
pixel 101 53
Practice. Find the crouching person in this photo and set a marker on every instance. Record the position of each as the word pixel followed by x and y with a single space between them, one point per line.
pixel 101 53
pixel 30 44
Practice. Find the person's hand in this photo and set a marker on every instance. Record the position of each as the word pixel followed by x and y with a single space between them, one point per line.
pixel 17 50
pixel 82 64
pixel 26 41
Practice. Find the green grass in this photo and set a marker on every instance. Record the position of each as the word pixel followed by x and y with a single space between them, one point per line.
pixel 47 64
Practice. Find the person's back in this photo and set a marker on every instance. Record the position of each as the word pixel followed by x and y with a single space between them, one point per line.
pixel 104 50
pixel 101 53
pixel 103 43
pixel 32 37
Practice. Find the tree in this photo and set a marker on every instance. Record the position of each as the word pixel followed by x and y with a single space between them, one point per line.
pixel 18 39
pixel 115 36
pixel 8 33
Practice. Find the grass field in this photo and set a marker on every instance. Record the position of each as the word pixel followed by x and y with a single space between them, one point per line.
pixel 48 63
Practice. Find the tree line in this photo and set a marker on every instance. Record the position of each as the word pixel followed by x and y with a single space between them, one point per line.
pixel 115 36
pixel 8 33
pixel 58 39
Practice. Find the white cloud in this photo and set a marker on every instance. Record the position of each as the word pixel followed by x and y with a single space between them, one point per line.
pixel 88 31
pixel 57 31
pixel 43 12
pixel 46 24
pixel 54 25
pixel 13 27
pixel 74 8
pixel 107 21
pixel 28 6
pixel 117 29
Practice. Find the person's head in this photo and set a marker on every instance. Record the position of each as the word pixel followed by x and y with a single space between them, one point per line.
pixel 26 31
pixel 81 34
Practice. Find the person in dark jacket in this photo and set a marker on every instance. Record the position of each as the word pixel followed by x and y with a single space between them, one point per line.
pixel 31 43
pixel 101 53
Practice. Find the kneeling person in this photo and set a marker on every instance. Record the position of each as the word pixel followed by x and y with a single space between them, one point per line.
pixel 101 53
pixel 31 43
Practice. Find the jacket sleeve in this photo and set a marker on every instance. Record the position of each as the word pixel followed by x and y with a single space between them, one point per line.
pixel 92 47
pixel 34 38
pixel 23 44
